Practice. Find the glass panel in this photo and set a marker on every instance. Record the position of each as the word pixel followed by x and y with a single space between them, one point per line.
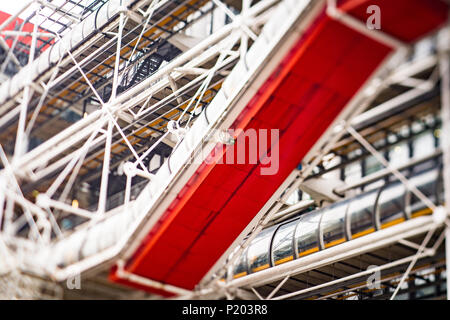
pixel 391 205
pixel 423 145
pixel 399 154
pixel 374 185
pixel 353 172
pixel 423 49
pixel 440 190
pixel 438 135
pixel 417 126
pixel 282 247
pixel 293 198
pixel 258 251
pixel 240 268
pixel 425 292
pixel 426 183
pixel 404 131
pixel 306 234
pixel 360 214
pixel 306 196
pixel 372 165
pixel 333 226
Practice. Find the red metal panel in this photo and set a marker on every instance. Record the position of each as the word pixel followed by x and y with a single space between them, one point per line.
pixel 313 84
pixel 407 20
pixel 28 27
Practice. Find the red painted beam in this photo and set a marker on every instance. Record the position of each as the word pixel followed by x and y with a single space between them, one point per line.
pixel 28 27
pixel 312 85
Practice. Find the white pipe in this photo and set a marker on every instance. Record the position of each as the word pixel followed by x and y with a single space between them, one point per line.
pixel 444 67
pixel 25 33
pixel 447 259
pixel 357 104
pixel 334 12
pixel 16 15
pixel 389 105
pixel 86 28
pixel 105 170
pixel 192 53
pixel 123 274
pixel 43 200
pixel 385 172
pixel 121 232
pixel 74 135
pixel 354 276
pixel 292 209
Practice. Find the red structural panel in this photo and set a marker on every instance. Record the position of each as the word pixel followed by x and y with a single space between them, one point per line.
pixel 27 27
pixel 311 86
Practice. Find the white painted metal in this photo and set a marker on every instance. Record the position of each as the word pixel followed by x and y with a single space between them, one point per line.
pixel 357 105
pixel 114 234
pixel 334 12
pixel 346 250
pixel 444 63
pixel 107 235
pixel 355 118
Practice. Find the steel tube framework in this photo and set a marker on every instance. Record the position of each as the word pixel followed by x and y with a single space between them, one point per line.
pixel 113 92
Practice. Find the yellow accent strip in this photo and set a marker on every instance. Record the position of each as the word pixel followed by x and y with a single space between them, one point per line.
pixel 422 212
pixel 265 266
pixel 241 274
pixel 309 251
pixel 284 260
pixel 334 242
pixel 363 233
pixel 392 223
pixel 338 241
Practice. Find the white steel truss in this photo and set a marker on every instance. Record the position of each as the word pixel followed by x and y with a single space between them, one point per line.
pixel 195 94
pixel 236 52
pixel 393 72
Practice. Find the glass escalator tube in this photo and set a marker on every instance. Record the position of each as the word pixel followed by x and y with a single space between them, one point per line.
pixel 307 234
pixel 342 221
pixel 390 208
pixel 258 254
pixel 240 268
pixel 283 243
pixel 360 214
pixel 428 183
pixel 332 225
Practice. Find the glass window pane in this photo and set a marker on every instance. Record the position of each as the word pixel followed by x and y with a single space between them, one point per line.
pixel 426 183
pixel 333 227
pixel 399 154
pixel 423 145
pixel 306 234
pixel 425 292
pixel 417 126
pixel 240 268
pixel 293 198
pixel 353 172
pixel 372 165
pixel 374 185
pixel 258 251
pixel 391 205
pixel 282 247
pixel 438 135
pixel 360 214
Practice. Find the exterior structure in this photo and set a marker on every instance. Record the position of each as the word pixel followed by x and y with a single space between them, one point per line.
pixel 271 149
